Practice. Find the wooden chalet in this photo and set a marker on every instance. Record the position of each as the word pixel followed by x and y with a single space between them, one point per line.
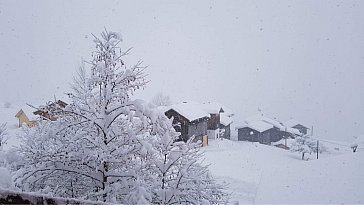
pixel 51 110
pixel 258 131
pixel 265 130
pixel 23 119
pixel 189 120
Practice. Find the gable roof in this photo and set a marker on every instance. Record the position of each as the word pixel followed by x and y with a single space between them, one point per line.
pixel 26 109
pixel 265 119
pixel 274 122
pixel 190 110
pixel 19 113
pixel 259 126
pixel 293 131
pixel 193 110
pixel 293 122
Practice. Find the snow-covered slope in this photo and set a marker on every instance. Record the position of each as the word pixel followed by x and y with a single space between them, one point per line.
pixel 263 174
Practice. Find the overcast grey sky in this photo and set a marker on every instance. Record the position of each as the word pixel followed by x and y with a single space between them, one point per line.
pixel 300 59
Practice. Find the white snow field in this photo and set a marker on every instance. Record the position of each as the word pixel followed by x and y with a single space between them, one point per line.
pixel 264 174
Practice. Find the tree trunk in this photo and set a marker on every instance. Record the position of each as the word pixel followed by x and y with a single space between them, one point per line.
pixel 303 155
pixel 104 182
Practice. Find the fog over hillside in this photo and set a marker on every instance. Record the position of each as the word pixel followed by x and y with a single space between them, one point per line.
pixel 300 59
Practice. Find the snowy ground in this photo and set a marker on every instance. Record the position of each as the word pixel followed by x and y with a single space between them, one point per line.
pixel 263 174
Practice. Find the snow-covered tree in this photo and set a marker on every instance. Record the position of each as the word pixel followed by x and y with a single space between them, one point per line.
pixel 105 146
pixel 161 99
pixel 3 135
pixel 5 179
pixel 181 177
pixel 303 144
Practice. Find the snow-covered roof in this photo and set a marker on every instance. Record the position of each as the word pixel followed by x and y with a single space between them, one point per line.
pixel 225 119
pixel 273 122
pixel 268 120
pixel 293 122
pixel 193 110
pixel 190 110
pixel 260 126
pixel 293 131
pixel 214 108
pixel 257 125
pixel 163 108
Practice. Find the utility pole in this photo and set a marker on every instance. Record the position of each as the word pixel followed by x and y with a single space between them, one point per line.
pixel 312 130
pixel 317 150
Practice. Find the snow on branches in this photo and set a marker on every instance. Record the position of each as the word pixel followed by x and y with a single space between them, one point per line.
pixel 305 144
pixel 106 146
pixel 3 135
